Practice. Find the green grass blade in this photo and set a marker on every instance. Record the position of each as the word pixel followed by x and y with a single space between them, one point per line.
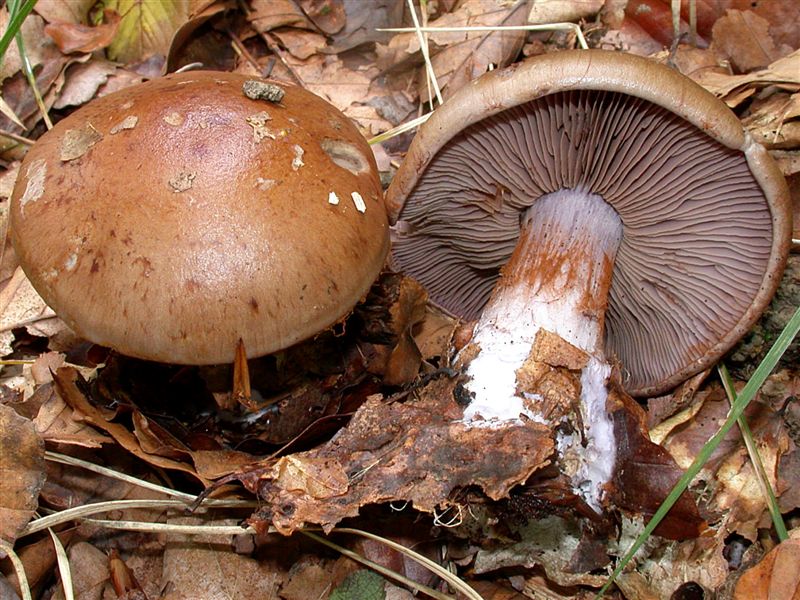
pixel 14 25
pixel 755 458
pixel 748 392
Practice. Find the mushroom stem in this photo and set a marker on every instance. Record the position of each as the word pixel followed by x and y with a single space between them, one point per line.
pixel 557 279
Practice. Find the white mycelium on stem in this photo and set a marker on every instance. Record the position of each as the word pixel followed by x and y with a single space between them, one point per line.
pixel 557 279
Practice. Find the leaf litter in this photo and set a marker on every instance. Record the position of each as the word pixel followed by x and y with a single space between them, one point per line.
pixel 346 425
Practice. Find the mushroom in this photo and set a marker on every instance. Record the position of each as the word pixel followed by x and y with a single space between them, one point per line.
pixel 171 219
pixel 600 197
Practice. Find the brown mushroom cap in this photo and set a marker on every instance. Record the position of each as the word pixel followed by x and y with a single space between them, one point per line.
pixel 170 219
pixel 705 211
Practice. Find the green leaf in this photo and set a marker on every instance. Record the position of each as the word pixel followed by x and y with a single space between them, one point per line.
pixel 361 585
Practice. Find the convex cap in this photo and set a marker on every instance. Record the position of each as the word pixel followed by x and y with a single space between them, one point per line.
pixel 170 219
pixel 705 211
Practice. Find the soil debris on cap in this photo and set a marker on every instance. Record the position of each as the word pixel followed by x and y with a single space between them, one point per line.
pixel 174 118
pixel 259 90
pixel 259 124
pixel 128 122
pixel 182 182
pixel 333 198
pixel 77 142
pixel 35 186
pixel 297 161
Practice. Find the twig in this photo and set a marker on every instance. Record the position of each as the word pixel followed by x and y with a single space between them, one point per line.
pixel 240 49
pixel 544 27
pixel 16 137
pixel 277 51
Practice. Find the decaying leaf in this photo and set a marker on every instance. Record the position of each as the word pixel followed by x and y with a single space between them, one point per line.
pixel 413 452
pixel 21 472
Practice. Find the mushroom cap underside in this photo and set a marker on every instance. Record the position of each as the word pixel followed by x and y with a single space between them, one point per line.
pixel 705 212
pixel 172 218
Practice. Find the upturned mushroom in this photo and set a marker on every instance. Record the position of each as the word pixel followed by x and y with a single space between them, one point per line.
pixel 171 219
pixel 600 197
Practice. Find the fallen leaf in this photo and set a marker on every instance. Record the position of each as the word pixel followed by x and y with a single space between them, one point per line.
pixel 784 72
pixel 65 11
pixel 67 380
pixel 145 28
pixel 563 11
pixel 327 15
pixel 21 472
pixel 82 82
pixel 744 38
pixel 208 566
pixel 20 305
pixel 776 577
pixel 266 15
pixel 89 580
pixel 76 37
pixel 774 121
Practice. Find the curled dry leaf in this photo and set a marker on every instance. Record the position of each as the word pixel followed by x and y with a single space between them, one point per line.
pixel 76 37
pixel 68 382
pixel 784 73
pixel 776 577
pixel 21 472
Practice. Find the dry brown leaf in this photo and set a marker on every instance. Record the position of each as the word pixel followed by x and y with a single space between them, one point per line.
pixel 327 15
pixel 21 472
pixel 89 580
pixel 208 567
pixel 20 305
pixel 415 452
pixel 744 38
pixel 776 577
pixel 266 15
pixel 35 44
pixel 318 478
pixel 733 489
pixel 700 560
pixel 67 11
pixel 774 121
pixel 458 58
pixel 361 26
pixel 300 43
pixel 67 382
pixel 560 11
pixel 82 81
pixel 76 37
pixel 784 73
